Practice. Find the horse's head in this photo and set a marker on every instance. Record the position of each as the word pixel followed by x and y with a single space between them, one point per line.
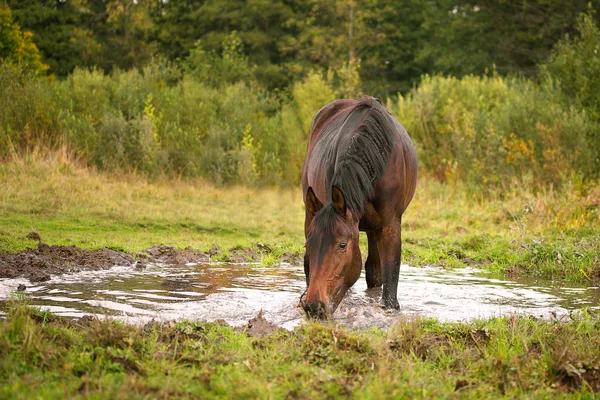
pixel 333 253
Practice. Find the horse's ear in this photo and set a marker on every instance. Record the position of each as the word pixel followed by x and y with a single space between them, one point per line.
pixel 313 205
pixel 338 200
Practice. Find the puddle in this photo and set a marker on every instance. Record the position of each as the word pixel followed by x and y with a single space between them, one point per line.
pixel 237 292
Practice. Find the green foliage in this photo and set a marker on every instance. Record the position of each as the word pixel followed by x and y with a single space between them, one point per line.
pixel 575 67
pixel 60 32
pixel 261 26
pixel 229 67
pixel 17 47
pixel 210 114
pixel 225 130
pixel 88 33
pixel 512 37
pixel 394 41
pixel 492 132
pixel 575 64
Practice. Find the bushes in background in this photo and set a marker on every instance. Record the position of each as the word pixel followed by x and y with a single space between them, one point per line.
pixel 135 120
pixel 488 131
pixel 210 118
pixel 492 131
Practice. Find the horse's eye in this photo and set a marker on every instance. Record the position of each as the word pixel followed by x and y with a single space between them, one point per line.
pixel 342 246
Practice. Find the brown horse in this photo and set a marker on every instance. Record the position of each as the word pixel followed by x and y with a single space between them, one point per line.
pixel 359 174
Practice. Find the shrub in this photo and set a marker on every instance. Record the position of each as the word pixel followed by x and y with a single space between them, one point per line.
pixel 491 131
pixel 575 67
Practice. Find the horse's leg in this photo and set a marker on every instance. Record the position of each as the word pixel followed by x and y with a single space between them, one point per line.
pixel 307 221
pixel 306 268
pixel 373 264
pixel 390 249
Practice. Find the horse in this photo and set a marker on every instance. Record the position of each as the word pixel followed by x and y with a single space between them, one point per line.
pixel 359 174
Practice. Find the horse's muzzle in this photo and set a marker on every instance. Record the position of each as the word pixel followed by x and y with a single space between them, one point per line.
pixel 316 310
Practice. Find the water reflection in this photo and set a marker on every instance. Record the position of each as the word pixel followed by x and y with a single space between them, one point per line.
pixel 237 292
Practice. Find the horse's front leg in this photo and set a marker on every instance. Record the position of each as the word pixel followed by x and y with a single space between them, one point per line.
pixel 373 264
pixel 389 245
pixel 306 268
pixel 307 221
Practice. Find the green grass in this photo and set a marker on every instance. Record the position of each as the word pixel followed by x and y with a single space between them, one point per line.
pixel 43 356
pixel 549 234
pixel 71 205
pixel 546 234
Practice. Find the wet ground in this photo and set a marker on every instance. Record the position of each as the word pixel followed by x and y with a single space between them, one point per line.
pixel 237 293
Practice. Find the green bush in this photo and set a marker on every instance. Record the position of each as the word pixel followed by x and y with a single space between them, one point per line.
pixel 487 131
pixel 147 122
pixel 493 131
pixel 575 67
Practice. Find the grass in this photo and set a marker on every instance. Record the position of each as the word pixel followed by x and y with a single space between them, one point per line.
pixel 43 356
pixel 71 205
pixel 547 234
pixel 550 234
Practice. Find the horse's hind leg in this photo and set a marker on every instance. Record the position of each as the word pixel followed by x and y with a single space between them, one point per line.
pixel 373 264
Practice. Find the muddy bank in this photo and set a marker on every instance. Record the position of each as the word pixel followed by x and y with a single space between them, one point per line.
pixel 39 264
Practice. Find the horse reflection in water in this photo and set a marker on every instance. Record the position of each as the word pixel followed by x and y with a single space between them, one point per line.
pixel 359 174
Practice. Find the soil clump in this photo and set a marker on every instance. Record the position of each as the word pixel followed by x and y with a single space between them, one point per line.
pixel 40 263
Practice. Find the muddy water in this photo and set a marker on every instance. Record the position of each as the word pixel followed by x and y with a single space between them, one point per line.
pixel 237 292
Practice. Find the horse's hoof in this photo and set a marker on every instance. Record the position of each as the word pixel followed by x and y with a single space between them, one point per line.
pixel 391 304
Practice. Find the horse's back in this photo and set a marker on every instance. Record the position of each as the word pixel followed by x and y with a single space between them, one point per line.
pixel 332 129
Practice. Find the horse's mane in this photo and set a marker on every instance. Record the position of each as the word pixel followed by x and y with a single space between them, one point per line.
pixel 364 160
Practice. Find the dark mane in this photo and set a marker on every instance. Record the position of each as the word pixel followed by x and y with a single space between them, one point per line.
pixel 359 166
pixel 366 157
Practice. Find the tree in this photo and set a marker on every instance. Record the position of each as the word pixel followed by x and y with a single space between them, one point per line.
pixel 384 37
pixel 392 64
pixel 514 36
pixel 260 24
pixel 86 33
pixel 128 26
pixel 575 66
pixel 17 46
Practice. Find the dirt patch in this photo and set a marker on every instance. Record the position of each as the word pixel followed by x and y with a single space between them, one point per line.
pixel 259 326
pixel 171 255
pixel 293 259
pixel 240 255
pixel 39 264
pixel 514 271
pixel 595 275
pixel 576 375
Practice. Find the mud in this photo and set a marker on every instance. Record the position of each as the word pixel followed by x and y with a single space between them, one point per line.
pixel 171 255
pixel 39 264
pixel 259 326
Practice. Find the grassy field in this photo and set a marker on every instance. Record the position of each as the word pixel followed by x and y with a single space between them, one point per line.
pixel 547 233
pixel 42 356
